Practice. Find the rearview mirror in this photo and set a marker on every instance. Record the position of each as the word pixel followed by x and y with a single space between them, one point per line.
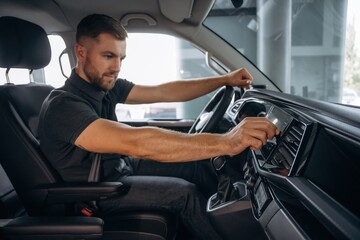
pixel 237 3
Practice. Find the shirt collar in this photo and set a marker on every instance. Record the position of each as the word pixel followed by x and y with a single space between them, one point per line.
pixel 84 87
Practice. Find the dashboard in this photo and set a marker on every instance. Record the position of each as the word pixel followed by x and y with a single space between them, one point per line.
pixel 281 154
pixel 303 183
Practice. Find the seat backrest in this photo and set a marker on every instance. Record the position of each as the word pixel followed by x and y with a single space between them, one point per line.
pixel 26 100
pixel 23 45
pixel 10 206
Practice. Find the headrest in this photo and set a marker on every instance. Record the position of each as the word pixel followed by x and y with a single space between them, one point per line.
pixel 23 44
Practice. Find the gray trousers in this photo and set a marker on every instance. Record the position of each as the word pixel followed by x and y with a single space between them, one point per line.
pixel 180 188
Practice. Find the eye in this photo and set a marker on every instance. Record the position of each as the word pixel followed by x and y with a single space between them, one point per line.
pixel 108 56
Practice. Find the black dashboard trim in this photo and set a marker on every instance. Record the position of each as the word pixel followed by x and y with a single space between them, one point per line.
pixel 343 122
pixel 342 113
pixel 337 219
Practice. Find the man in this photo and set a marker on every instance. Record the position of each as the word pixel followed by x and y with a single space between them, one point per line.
pixel 79 119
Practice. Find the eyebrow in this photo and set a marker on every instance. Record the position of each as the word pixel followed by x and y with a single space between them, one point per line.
pixel 113 54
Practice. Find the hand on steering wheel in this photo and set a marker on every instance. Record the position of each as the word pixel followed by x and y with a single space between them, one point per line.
pixel 213 111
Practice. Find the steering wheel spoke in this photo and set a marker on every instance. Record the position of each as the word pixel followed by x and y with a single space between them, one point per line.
pixel 210 116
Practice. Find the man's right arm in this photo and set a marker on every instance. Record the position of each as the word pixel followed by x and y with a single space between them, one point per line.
pixel 104 136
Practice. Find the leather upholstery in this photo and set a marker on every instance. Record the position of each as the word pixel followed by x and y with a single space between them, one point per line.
pixel 21 158
pixel 26 100
pixel 25 45
pixel 54 228
pixel 10 205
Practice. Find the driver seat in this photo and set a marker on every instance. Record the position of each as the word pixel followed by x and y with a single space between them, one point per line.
pixel 40 188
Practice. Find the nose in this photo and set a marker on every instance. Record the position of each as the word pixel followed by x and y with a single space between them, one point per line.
pixel 116 66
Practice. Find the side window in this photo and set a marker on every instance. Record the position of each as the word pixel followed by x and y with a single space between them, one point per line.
pixel 51 74
pixel 16 76
pixel 154 59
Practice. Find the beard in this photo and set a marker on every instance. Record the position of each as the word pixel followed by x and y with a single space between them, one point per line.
pixel 97 79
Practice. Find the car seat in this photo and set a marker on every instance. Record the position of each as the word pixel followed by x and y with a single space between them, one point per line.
pixel 40 188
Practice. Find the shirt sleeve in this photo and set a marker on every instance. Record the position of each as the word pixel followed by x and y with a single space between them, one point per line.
pixel 67 116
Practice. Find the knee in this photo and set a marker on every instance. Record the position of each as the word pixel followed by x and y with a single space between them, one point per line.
pixel 182 190
pixel 189 194
pixel 186 187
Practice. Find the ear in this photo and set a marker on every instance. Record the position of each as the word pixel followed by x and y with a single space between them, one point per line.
pixel 80 52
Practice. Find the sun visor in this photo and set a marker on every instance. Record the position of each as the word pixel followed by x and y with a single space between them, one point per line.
pixel 176 10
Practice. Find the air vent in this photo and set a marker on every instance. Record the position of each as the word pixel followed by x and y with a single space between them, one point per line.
pixel 289 147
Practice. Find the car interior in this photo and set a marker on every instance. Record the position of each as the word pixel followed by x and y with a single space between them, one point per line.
pixel 300 185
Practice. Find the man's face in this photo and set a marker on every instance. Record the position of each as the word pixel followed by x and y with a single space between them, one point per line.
pixel 101 60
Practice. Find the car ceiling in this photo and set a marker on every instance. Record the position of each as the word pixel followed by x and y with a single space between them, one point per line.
pixel 58 16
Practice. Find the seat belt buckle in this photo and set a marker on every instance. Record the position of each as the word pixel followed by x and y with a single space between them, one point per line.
pixel 87 211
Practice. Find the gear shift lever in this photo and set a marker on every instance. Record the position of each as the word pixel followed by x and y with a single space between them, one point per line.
pixel 219 164
pixel 226 191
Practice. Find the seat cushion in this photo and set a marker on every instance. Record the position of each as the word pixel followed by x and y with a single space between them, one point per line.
pixel 54 228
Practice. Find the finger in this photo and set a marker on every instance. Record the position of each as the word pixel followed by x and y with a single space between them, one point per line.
pixel 261 123
pixel 246 74
pixel 249 137
pixel 244 83
pixel 259 135
pixel 240 78
pixel 246 78
pixel 255 143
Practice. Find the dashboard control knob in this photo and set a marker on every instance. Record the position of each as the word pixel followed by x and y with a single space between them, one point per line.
pixel 218 164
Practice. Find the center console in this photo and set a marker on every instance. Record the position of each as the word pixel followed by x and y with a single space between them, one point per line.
pixel 234 219
pixel 281 157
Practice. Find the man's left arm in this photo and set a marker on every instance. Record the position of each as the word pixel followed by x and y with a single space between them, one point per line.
pixel 185 90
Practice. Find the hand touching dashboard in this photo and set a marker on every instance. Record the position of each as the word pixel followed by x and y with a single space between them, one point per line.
pixel 278 154
pixel 252 132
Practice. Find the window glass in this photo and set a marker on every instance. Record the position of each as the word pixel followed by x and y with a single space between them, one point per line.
pixel 53 74
pixel 309 48
pixel 16 76
pixel 155 59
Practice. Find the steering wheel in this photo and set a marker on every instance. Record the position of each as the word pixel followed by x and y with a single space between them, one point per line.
pixel 213 111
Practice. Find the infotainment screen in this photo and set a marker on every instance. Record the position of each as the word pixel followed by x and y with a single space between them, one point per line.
pixel 281 119
pixel 278 117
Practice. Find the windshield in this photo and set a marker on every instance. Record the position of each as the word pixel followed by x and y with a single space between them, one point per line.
pixel 309 48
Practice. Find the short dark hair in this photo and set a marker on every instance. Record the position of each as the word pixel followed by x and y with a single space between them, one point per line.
pixel 95 24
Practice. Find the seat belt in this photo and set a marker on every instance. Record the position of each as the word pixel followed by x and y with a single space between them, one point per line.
pixel 94 176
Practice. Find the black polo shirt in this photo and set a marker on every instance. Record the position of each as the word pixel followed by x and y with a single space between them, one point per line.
pixel 65 113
